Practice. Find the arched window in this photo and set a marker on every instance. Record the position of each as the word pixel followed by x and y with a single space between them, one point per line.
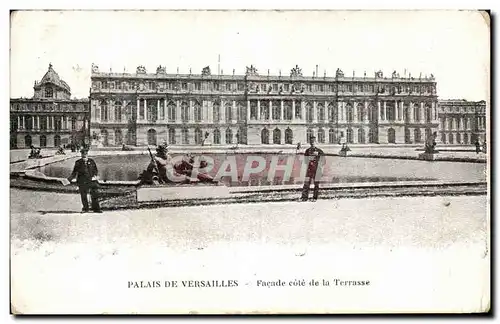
pixel 428 133
pixel 349 112
pixel 298 109
pixel 459 138
pixel 417 135
pixel 349 135
pixel 450 138
pixel 288 136
pixel 198 136
pixel 391 135
pixel 321 135
pixel 118 137
pixel 287 106
pixel 185 112
pixel 264 136
pixel 407 136
pixel 428 113
pixel 171 107
pixel 276 110
pixel 152 112
pixel 332 112
pixel 277 136
pixel 253 109
pixel 372 113
pixel 331 136
pixel 43 141
pixel 229 112
pixel 216 136
pixel 466 139
pixel 321 112
pixel 104 110
pixel 309 113
pixel 361 136
pixel 229 136
pixel 185 136
pixel 216 111
pixel 243 135
pixel 309 134
pixel 171 136
pixel 27 141
pixel 118 111
pixel 361 112
pixel 391 114
pixel 241 108
pixel 416 112
pixel 197 112
pixel 264 111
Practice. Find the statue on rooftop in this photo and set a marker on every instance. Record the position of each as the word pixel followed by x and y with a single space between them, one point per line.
pixel 206 71
pixel 252 70
pixel 296 71
pixel 95 68
pixel 141 69
pixel 339 73
pixel 161 69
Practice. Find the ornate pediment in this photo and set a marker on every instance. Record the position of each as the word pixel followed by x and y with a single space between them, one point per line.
pixel 160 70
pixel 140 69
pixel 296 71
pixel 252 70
pixel 206 71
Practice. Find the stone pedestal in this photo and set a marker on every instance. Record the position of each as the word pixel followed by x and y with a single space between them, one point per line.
pixel 427 156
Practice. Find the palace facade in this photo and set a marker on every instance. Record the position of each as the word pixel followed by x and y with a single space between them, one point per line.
pixel 462 121
pixel 50 118
pixel 149 108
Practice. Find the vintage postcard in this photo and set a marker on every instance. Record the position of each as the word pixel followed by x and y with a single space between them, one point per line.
pixel 249 162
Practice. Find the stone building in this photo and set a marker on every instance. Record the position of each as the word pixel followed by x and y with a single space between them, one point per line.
pixel 50 118
pixel 462 121
pixel 148 108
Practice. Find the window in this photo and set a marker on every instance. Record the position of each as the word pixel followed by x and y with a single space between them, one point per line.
pixel 309 87
pixel 229 136
pixel 216 111
pixel 321 135
pixel 171 135
pixel 111 85
pixel 118 85
pixel 197 112
pixel 321 112
pixel 321 88
pixel 104 84
pixel 264 136
pixel 288 136
pixel 184 86
pixel 171 107
pixel 184 112
pixel 73 123
pixel 287 87
pixel 216 136
pixel 185 136
pixel 118 111
pixel 241 87
pixel 228 86
pixel 277 136
pixel 349 88
pixel 49 92
pixel 197 86
pixel 275 87
pixel 216 86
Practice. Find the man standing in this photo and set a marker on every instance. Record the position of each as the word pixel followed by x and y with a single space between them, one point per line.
pixel 85 171
pixel 314 156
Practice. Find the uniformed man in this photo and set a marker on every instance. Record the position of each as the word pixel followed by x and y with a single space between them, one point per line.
pixel 314 157
pixel 85 171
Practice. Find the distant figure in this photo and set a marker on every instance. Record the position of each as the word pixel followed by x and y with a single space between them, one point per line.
pixel 478 146
pixel 314 156
pixel 60 151
pixel 484 147
pixel 298 147
pixel 344 149
pixel 85 171
pixel 430 144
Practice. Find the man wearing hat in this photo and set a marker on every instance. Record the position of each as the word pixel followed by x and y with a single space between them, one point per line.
pixel 314 156
pixel 85 171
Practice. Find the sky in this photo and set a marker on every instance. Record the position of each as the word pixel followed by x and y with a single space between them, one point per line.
pixel 452 45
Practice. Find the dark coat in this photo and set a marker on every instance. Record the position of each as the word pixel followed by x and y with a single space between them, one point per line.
pixel 84 171
pixel 314 154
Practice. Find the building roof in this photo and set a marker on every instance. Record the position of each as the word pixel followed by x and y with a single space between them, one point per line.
pixel 51 76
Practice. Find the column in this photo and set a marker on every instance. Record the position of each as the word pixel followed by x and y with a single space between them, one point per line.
pixel 410 111
pixel 48 123
pixel 422 113
pixel 302 110
pixel 281 110
pixel 434 111
pixel 396 110
pixel 53 124
pixel 158 109
pixel 344 111
pixel 315 112
pixel 248 110
pixel 178 118
pixel 67 122
pixel 379 110
pixel 385 110
pixel 234 118
pixel 145 109
pixel 191 111
pixel 366 113
pixel 32 122
pixel 38 122
pixel 355 112
pixel 137 109
pixel 293 110
pixel 222 112
pixel 19 126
